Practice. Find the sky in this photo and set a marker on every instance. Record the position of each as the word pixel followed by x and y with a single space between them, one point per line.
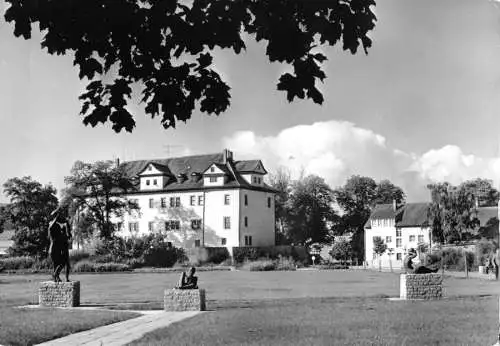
pixel 423 106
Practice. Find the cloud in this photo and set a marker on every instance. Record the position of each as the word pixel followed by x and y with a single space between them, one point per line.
pixel 336 150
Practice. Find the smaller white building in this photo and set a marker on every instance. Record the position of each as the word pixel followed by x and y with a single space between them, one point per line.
pixel 401 228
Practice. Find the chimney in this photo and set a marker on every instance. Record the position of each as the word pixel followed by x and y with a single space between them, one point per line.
pixel 227 156
pixel 394 205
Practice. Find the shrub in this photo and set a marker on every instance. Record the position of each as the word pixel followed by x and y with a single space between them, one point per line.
pixel 261 265
pixel 286 264
pixel 453 259
pixel 204 255
pixel 13 263
pixel 87 266
pixel 298 253
pixel 78 255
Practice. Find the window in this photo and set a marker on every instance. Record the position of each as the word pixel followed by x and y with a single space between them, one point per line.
pixel 259 180
pixel 398 242
pixel 150 168
pixel 163 202
pixel 200 200
pixel 197 243
pixel 254 180
pixel 147 182
pixel 150 226
pixel 399 256
pixel 226 199
pixel 248 240
pixel 196 224
pixel 412 238
pixel 227 222
pixel 398 233
pixel 118 226
pixel 388 239
pixel 151 203
pixel 172 225
pixel 246 221
pixel 192 200
pixel 212 169
pixel 155 182
pixel 223 241
pixel 213 179
pixel 246 199
pixel 374 256
pixel 420 238
pixel 175 202
pixel 269 202
pixel 133 226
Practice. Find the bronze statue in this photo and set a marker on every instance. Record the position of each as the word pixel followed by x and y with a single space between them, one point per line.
pixel 189 281
pixel 60 240
pixel 419 269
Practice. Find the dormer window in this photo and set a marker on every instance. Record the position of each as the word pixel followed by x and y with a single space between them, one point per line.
pixel 147 182
pixel 155 182
pixel 212 169
pixel 150 168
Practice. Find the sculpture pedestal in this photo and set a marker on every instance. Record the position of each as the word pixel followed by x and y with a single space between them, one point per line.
pixel 59 294
pixel 421 286
pixel 184 300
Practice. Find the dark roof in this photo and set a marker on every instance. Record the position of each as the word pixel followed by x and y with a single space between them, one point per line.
pixel 412 215
pixel 383 211
pixel 195 164
pixel 250 166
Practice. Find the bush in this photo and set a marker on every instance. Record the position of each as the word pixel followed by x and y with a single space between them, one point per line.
pixel 483 250
pixel 204 255
pixel 453 259
pixel 87 266
pixel 298 253
pixel 78 255
pixel 268 265
pixel 14 263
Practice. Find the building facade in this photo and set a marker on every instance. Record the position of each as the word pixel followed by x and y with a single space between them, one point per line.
pixel 204 200
pixel 401 228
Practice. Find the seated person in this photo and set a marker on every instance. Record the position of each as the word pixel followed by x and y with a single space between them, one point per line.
pixel 418 269
pixel 189 281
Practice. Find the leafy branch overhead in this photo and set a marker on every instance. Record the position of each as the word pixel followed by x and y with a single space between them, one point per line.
pixel 165 47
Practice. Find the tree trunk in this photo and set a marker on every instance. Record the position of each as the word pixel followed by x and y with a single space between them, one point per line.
pixel 466 267
pixel 390 263
pixel 379 264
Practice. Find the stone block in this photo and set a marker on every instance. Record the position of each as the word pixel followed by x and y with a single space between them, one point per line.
pixel 421 286
pixel 184 300
pixel 59 294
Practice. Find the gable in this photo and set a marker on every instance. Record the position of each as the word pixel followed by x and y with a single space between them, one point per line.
pixel 214 169
pixel 152 169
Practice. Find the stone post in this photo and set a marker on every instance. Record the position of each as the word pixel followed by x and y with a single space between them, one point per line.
pixel 59 294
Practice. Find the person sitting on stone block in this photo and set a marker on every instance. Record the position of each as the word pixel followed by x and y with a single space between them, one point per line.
pixel 188 281
pixel 418 269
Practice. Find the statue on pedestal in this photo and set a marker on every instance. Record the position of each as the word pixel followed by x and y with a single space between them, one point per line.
pixel 188 281
pixel 410 268
pixel 60 240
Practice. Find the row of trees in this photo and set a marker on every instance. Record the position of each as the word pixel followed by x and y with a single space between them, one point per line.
pixel 308 210
pixel 91 200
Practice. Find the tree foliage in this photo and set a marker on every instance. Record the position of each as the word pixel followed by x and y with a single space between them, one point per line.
pixel 452 213
pixel 95 189
pixel 357 197
pixel 281 181
pixel 379 247
pixel 29 211
pixel 482 190
pixel 310 209
pixel 341 249
pixel 166 48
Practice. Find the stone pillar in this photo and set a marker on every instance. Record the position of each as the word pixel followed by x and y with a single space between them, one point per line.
pixel 421 286
pixel 59 294
pixel 184 300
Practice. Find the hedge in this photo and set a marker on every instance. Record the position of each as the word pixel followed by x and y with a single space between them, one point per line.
pixel 253 253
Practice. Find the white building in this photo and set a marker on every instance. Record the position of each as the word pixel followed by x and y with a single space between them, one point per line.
pixel 204 200
pixel 401 228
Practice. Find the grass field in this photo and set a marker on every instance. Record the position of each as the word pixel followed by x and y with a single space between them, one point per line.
pixel 279 308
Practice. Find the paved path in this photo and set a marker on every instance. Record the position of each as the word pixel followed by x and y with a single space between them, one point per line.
pixel 121 333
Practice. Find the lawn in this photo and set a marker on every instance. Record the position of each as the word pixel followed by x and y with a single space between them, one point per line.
pixel 320 307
